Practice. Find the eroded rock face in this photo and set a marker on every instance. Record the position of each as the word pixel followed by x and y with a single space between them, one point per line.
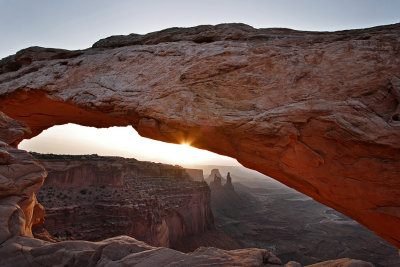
pixel 317 111
pixel 92 198
pixel 69 170
pixel 20 177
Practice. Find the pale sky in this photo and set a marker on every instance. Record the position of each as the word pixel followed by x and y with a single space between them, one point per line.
pixel 77 24
pixel 119 141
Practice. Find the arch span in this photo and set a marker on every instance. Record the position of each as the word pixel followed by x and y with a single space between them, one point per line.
pixel 317 111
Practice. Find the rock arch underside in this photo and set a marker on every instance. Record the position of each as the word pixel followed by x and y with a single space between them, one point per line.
pixel 317 111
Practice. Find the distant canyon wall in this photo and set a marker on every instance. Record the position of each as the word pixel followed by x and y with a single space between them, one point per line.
pixel 91 198
pixel 68 170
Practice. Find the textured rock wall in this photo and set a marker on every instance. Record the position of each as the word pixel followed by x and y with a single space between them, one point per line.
pixel 77 173
pixel 92 198
pixel 317 111
pixel 68 170
pixel 20 177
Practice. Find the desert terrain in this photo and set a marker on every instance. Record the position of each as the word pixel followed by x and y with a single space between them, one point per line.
pixel 266 214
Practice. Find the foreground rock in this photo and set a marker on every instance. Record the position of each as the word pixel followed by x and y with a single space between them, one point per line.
pixel 122 251
pixel 127 251
pixel 20 176
pixel 317 111
pixel 342 263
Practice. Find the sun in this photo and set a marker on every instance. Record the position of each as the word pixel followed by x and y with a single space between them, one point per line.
pixel 185 144
pixel 119 141
pixel 187 154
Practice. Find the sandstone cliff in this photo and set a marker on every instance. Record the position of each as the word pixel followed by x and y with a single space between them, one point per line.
pixel 20 177
pixel 91 198
pixel 68 170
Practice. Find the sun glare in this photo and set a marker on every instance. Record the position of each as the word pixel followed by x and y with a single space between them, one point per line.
pixel 119 141
pixel 185 144
pixel 187 154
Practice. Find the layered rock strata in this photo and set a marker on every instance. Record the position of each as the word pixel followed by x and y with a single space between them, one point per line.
pixel 92 198
pixel 317 111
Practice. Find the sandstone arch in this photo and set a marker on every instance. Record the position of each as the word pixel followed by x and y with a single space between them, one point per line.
pixel 317 111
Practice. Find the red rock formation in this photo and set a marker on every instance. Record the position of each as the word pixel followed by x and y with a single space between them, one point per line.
pixel 20 176
pixel 78 173
pixel 316 111
pixel 68 170
pixel 91 198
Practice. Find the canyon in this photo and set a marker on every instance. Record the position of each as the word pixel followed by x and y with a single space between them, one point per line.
pixel 318 111
pixel 89 197
pixel 263 213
